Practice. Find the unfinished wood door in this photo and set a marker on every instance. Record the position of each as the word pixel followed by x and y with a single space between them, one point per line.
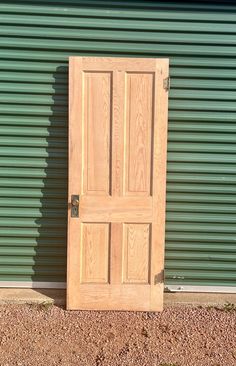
pixel 117 166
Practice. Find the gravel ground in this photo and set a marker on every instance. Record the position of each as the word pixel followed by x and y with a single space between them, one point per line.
pixel 179 336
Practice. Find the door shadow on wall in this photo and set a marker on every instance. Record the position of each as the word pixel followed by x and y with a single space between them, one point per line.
pixel 51 225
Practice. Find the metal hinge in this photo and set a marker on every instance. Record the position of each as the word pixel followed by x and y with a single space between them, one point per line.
pixel 166 84
pixel 159 277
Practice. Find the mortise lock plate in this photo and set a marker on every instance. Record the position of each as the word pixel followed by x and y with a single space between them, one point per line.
pixel 75 205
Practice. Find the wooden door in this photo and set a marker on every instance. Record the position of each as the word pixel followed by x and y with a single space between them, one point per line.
pixel 117 166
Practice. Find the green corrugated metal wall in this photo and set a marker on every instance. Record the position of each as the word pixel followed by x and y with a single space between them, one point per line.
pixel 36 38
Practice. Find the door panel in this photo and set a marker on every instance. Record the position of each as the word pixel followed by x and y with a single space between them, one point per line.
pixel 97 128
pixel 136 250
pixel 95 240
pixel 139 129
pixel 117 165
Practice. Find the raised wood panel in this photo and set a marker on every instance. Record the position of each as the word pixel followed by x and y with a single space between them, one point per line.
pixel 139 129
pixel 136 253
pixel 97 128
pixel 95 253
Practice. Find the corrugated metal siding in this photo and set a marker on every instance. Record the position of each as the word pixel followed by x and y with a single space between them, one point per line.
pixel 36 38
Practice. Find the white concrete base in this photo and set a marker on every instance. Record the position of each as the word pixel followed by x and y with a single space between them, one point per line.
pixel 31 296
pixel 194 298
pixel 58 297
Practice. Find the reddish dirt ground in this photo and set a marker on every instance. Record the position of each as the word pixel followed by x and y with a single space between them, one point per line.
pixel 179 336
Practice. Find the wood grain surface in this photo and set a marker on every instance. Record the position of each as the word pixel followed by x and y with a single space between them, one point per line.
pixel 117 165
